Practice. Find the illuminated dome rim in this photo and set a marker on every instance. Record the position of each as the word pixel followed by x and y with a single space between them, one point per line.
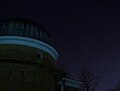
pixel 29 42
pixel 18 26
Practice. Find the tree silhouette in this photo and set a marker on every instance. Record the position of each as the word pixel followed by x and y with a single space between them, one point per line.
pixel 90 81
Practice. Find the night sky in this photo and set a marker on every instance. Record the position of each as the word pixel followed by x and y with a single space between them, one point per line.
pixel 86 33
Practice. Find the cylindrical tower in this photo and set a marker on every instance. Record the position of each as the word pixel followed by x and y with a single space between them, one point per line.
pixel 27 56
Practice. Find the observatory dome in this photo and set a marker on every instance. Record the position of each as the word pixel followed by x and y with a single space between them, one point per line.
pixel 24 27
pixel 26 32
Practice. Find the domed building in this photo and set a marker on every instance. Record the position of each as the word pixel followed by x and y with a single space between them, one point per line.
pixel 27 57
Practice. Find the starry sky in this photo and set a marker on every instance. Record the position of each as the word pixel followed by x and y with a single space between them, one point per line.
pixel 86 33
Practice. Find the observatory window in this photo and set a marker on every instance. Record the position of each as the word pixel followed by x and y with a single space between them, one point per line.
pixel 39 55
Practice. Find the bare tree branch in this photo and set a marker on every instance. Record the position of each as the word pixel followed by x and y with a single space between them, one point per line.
pixel 89 80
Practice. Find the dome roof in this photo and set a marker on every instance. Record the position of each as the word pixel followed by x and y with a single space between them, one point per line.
pixel 25 28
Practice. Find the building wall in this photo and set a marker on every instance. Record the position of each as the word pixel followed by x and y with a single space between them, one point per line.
pixel 22 70
pixel 25 77
pixel 26 53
